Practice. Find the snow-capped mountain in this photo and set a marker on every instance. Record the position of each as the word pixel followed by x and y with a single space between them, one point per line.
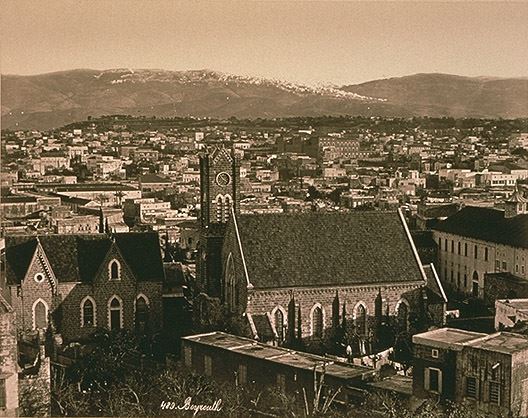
pixel 54 99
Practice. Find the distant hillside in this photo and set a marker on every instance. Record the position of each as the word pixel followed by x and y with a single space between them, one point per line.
pixel 55 99
pixel 451 95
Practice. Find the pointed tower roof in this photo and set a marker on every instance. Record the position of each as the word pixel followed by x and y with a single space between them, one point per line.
pixel 517 196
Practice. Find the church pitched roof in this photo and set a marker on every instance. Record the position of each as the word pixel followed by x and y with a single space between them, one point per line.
pixel 434 284
pixel 487 225
pixel 314 249
pixel 78 257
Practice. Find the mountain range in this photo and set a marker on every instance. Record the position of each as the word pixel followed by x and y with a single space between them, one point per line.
pixel 54 99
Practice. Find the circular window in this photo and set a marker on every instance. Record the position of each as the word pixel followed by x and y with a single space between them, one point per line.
pixel 223 179
pixel 39 277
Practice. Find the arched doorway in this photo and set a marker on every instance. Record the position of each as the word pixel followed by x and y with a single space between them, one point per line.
pixel 115 317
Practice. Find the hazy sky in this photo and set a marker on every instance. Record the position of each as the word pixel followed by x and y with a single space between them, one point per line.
pixel 340 42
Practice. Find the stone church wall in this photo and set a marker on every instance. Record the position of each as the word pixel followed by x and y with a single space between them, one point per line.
pixel 262 301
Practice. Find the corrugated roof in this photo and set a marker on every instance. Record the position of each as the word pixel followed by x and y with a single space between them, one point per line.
pixel 284 356
pixel 313 249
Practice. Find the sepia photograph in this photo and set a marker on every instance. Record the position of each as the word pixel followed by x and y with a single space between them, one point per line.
pixel 269 208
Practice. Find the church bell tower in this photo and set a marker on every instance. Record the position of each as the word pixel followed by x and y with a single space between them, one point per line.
pixel 219 196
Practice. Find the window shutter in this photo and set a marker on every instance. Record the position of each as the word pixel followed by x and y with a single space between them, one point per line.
pixel 426 378
pixel 440 381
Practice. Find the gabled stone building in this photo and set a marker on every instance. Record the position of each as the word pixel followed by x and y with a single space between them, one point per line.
pixel 77 283
pixel 302 276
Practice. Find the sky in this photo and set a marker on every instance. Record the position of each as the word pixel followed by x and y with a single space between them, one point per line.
pixel 309 42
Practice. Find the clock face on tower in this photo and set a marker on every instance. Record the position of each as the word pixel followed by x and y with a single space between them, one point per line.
pixel 223 179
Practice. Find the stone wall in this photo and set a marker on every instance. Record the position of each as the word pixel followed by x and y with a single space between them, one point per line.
pixel 8 360
pixel 477 363
pixel 65 306
pixel 262 301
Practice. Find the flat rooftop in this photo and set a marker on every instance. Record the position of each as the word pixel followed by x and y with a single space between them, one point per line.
pixel 502 342
pixel 287 357
pixel 85 187
pixel 449 338
pixel 507 276
pixel 396 383
pixel 518 304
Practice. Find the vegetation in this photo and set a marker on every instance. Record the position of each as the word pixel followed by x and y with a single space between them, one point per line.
pixel 388 125
pixel 106 381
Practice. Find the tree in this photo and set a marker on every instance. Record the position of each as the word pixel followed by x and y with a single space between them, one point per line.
pixel 313 194
pixel 335 195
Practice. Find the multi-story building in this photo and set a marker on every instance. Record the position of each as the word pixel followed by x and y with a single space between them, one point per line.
pixel 145 209
pixel 519 140
pixel 479 240
pixel 105 194
pixel 144 154
pixel 191 176
pixel 88 224
pixel 497 179
pixel 103 166
pixel 49 161
pixel 489 372
pixel 17 206
pixel 335 148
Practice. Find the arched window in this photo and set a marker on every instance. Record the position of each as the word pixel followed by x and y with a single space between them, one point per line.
pixel 278 319
pixel 142 311
pixel 40 314
pixel 88 312
pixel 361 319
pixel 219 207
pixel 115 270
pixel 402 314
pixel 115 313
pixel 226 208
pixel 317 322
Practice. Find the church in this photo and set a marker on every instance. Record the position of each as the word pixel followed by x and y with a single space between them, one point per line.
pixel 76 283
pixel 304 276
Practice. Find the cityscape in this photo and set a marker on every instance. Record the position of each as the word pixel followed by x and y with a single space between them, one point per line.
pixel 197 243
